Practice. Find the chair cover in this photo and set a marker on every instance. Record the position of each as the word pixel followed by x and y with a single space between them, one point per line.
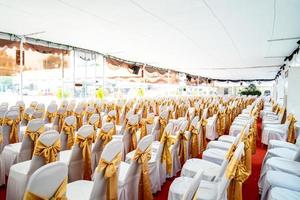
pixel 278 193
pixel 78 159
pixel 22 151
pixel 275 179
pixel 211 132
pixel 98 189
pixel 67 134
pixel 20 173
pixel 48 182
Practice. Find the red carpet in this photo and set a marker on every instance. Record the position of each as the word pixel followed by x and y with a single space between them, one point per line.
pixel 250 189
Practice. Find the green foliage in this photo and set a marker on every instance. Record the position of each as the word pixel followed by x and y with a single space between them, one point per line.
pixel 250 90
pixel 100 93
pixel 60 95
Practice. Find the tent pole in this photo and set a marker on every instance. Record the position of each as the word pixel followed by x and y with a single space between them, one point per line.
pixel 21 68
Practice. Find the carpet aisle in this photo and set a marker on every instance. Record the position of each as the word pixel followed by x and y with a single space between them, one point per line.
pixel 250 189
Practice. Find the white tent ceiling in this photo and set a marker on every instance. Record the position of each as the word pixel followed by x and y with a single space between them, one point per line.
pixel 218 39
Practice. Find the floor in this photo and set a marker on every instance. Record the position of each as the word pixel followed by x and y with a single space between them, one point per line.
pixel 250 189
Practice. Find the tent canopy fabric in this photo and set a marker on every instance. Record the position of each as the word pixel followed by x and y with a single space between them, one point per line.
pixel 210 38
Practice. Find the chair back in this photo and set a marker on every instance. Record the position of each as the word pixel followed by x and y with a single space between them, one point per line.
pixel 4 104
pixel 76 162
pixel 45 181
pixel 27 146
pixel 111 150
pixel 226 178
pixel 297 156
pixel 6 129
pixel 69 121
pixel 128 136
pixel 49 138
pixel 28 111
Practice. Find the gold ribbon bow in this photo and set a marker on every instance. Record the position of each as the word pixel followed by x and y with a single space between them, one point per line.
pixel 61 118
pixel 85 145
pixel 1 121
pixel 132 129
pixel 167 140
pixel 109 170
pixel 194 141
pixel 69 130
pixel 106 137
pixel 26 117
pixel 49 153
pixel 88 115
pixel 182 147
pixel 144 123
pixel 50 116
pixel 163 123
pixel 292 130
pixel 13 123
pixel 111 118
pixel 79 119
pixel 144 184
pixel 60 193
pixel 203 138
pixel 34 135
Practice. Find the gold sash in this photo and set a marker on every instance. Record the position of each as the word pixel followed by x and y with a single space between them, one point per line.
pixel 1 138
pixel 111 118
pixel 26 117
pixel 132 129
pixel 292 129
pixel 118 108
pixel 109 170
pixel 144 123
pixel 106 137
pixel 1 121
pixel 144 184
pixel 61 118
pixel 34 135
pixel 163 123
pixel 194 141
pixel 50 116
pixel 79 120
pixel 13 123
pixel 182 147
pixel 69 130
pixel 85 145
pixel 88 115
pixel 60 193
pixel 167 140
pixel 49 153
pixel 203 135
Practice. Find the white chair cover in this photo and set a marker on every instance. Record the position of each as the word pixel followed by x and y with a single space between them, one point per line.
pixel 20 173
pixel 22 151
pixel 278 193
pixel 46 180
pixel 211 132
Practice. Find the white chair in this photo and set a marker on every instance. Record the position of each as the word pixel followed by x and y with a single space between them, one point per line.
pixel 7 128
pixel 27 116
pixel 278 193
pixel 83 189
pixel 78 167
pixel 283 144
pixel 130 174
pixel 130 137
pixel 282 180
pixel 57 120
pixel 283 163
pixel 217 190
pixel 20 173
pixel 21 151
pixel 50 113
pixel 277 131
pixel 45 182
pixel 103 137
pixel 211 132
pixel 67 134
pixel 2 165
pixel 184 188
pixel 216 155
